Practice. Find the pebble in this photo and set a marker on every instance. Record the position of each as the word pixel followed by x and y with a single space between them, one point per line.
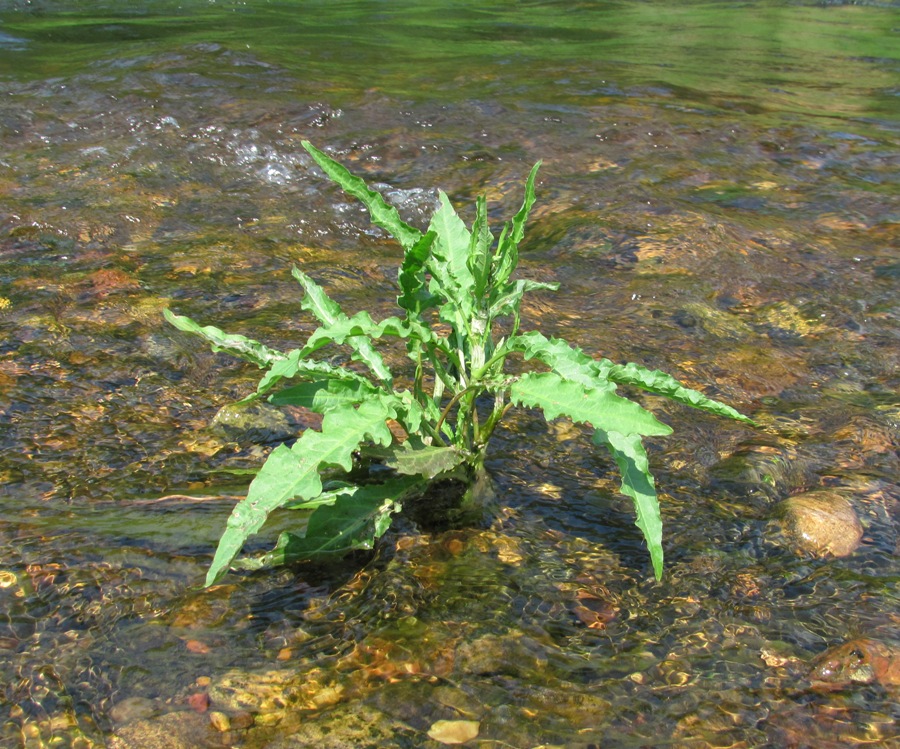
pixel 220 721
pixel 199 702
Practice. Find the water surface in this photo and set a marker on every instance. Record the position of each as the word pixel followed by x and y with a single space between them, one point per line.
pixel 718 199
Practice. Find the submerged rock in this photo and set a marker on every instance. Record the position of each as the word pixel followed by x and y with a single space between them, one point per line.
pixel 131 709
pixel 512 654
pixel 861 661
pixel 183 730
pixel 820 522
pixel 454 731
pixel 349 727
pixel 242 691
pixel 764 467
pixel 253 422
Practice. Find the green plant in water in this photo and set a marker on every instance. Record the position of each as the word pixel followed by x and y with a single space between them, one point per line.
pixel 456 287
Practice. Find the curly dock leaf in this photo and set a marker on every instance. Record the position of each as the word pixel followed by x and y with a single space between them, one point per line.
pixel 656 381
pixel 426 461
pixel 382 214
pixel 573 364
pixel 290 473
pixel 637 482
pixel 414 297
pixel 352 520
pixel 325 395
pixel 329 313
pixel 237 345
pixel 294 366
pixel 598 406
pixel 507 256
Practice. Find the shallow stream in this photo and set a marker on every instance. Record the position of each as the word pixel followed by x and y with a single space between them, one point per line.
pixel 718 199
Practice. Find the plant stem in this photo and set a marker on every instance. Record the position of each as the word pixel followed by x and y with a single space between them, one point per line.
pixel 453 401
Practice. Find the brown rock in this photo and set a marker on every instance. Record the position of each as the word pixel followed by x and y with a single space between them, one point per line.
pixel 199 702
pixel 861 661
pixel 821 522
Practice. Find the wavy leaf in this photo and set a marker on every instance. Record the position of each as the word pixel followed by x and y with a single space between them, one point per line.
pixel 479 252
pixel 360 326
pixel 507 256
pixel 426 461
pixel 383 215
pixel 414 296
pixel 330 314
pixel 573 364
pixel 237 345
pixel 353 520
pixel 293 366
pixel 656 381
pixel 637 482
pixel 449 256
pixel 325 395
pixel 598 406
pixel 506 301
pixel 289 473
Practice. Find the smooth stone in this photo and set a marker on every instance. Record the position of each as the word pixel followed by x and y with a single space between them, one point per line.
pixel 820 522
pixel 454 731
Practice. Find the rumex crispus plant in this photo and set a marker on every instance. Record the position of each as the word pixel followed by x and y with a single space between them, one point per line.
pixel 460 322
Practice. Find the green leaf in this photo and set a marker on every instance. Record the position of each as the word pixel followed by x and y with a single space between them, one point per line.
pixel 382 214
pixel 289 473
pixel 598 406
pixel 237 345
pixel 507 256
pixel 637 482
pixel 329 313
pixel 479 253
pixel 450 256
pixel 354 520
pixel 659 382
pixel 360 326
pixel 568 361
pixel 325 395
pixel 573 364
pixel 506 300
pixel 414 296
pixel 293 366
pixel 427 461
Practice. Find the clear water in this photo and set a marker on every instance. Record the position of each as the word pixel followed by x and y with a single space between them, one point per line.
pixel 718 199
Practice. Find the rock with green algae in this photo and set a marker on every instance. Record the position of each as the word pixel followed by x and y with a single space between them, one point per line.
pixel 254 692
pixel 253 422
pixel 180 730
pixel 349 726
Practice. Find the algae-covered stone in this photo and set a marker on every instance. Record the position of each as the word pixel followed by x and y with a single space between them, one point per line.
pixel 820 522
pixel 253 422
pixel 182 730
pixel 512 653
pixel 349 727
pixel 266 691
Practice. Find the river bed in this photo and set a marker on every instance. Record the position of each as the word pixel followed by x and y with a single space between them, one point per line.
pixel 717 199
